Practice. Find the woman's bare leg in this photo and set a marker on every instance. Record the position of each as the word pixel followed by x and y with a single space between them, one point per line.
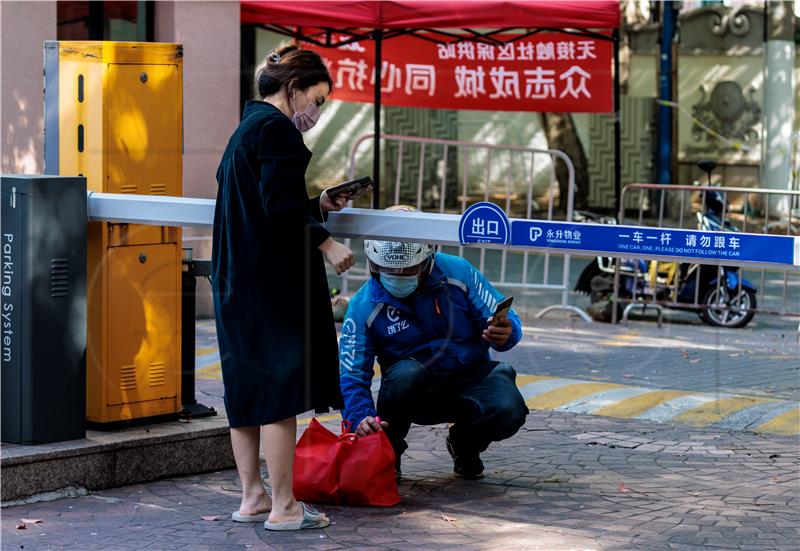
pixel 244 441
pixel 279 441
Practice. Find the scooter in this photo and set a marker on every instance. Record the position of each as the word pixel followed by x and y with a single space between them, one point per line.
pixel 729 303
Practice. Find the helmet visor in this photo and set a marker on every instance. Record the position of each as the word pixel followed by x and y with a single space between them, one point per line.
pixel 408 271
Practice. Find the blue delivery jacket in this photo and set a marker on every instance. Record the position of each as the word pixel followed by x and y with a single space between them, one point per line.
pixel 439 326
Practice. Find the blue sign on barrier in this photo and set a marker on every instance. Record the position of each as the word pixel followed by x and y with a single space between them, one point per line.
pixel 484 223
pixel 634 240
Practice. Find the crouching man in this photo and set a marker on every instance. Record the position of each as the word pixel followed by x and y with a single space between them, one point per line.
pixel 427 318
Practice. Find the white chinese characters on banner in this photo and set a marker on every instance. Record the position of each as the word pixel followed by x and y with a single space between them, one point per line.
pixel 544 72
pixel 485 52
pixel 420 77
pixel 391 77
pixel 540 83
pixel 505 83
pixel 352 47
pixel 545 51
pixel 518 51
pixel 586 50
pixel 525 51
pixel 469 82
pixel 505 52
pixel 570 87
pixel 446 51
pixel 466 50
pixel 565 50
pixel 354 71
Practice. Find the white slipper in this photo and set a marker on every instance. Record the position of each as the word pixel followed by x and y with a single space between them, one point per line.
pixel 311 519
pixel 261 517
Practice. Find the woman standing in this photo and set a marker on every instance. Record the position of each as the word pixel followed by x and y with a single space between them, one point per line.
pixel 277 339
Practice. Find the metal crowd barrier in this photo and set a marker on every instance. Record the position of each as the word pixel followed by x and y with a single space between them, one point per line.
pixel 490 156
pixel 745 220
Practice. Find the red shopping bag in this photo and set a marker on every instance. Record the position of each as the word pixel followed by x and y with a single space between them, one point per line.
pixel 346 469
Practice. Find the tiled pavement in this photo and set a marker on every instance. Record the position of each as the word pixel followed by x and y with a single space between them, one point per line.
pixel 683 476
pixel 566 481
pixel 684 373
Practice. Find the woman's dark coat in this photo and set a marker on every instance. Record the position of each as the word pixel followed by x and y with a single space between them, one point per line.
pixel 277 339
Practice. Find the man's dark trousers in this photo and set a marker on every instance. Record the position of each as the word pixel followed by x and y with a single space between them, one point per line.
pixel 483 409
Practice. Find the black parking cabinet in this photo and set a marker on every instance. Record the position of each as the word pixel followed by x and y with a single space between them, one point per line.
pixel 43 308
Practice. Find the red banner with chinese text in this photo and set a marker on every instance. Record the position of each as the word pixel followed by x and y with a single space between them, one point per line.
pixel 547 72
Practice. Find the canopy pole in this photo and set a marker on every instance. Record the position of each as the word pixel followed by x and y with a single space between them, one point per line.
pixel 617 130
pixel 669 16
pixel 376 157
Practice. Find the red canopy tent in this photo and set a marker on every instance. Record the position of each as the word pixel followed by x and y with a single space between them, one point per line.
pixel 427 14
pixel 443 21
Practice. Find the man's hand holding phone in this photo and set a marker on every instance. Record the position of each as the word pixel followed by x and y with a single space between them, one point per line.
pixel 499 330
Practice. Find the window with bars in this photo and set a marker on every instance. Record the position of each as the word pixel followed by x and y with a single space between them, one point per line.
pixel 97 20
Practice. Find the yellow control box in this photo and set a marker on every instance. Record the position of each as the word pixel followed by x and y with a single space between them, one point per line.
pixel 113 113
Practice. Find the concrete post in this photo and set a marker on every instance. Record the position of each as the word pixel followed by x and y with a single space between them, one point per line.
pixel 24 28
pixel 210 34
pixel 779 56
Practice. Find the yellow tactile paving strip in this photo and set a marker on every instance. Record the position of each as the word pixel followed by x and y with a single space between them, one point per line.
pixel 565 394
pixel 636 405
pixel 620 340
pixel 717 410
pixel 787 423
pixel 573 391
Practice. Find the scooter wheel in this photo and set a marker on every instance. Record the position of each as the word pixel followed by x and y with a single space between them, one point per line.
pixel 718 317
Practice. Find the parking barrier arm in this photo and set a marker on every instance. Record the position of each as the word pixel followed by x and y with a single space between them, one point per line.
pixel 441 229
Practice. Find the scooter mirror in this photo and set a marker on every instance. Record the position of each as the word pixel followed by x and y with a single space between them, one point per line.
pixel 707 165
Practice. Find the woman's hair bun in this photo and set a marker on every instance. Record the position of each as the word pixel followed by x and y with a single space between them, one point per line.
pixel 267 83
pixel 291 67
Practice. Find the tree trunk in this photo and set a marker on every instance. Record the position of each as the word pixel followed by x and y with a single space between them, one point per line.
pixel 559 128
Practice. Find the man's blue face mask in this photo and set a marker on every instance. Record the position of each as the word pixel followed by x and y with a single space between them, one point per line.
pixel 400 286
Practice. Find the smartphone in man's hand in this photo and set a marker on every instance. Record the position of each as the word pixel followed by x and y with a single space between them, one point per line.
pixel 502 310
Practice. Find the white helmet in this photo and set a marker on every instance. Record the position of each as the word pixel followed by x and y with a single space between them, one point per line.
pixel 394 256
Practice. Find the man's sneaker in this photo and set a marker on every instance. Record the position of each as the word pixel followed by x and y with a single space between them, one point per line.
pixel 468 465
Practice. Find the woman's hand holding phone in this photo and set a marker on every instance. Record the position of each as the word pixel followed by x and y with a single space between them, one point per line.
pixel 335 204
pixel 338 256
pixel 340 194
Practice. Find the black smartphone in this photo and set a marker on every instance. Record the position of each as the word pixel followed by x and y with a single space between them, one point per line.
pixel 352 189
pixel 502 309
